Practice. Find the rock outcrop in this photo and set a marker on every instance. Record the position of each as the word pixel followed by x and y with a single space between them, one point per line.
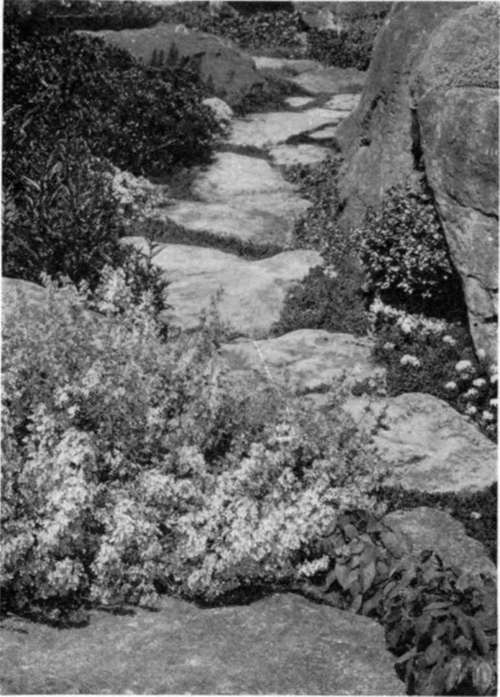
pixel 282 644
pixel 430 108
pixel 232 74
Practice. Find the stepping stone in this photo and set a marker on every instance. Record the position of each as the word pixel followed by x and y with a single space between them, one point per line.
pixel 324 133
pixel 429 446
pixel 240 197
pixel 287 155
pixel 330 80
pixel 343 102
pixel 253 292
pixel 429 528
pixel 306 360
pixel 269 129
pixel 297 102
pixel 287 65
pixel 282 644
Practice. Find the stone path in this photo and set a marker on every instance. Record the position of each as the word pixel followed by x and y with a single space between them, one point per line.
pixel 284 643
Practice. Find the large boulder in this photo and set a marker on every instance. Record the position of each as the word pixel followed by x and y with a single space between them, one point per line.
pixel 427 528
pixel 428 446
pixel 430 108
pixel 456 92
pixel 232 74
pixel 282 644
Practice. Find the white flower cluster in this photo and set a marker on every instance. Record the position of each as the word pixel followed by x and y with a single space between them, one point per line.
pixel 409 323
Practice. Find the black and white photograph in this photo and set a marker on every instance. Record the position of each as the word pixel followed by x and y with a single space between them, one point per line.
pixel 249 350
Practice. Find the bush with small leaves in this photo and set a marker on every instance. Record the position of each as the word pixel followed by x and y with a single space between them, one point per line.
pixel 405 254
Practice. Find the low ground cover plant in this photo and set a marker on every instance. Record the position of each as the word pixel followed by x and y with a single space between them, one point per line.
pixel 437 357
pixel 329 297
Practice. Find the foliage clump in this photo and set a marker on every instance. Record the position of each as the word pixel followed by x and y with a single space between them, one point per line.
pixel 436 357
pixel 129 469
pixel 349 47
pixel 405 254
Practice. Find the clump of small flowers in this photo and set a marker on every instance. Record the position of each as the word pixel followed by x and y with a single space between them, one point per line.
pixel 428 355
pixel 127 468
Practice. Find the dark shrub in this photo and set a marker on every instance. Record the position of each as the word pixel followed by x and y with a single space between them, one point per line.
pixel 80 87
pixel 351 47
pixel 406 258
pixel 323 301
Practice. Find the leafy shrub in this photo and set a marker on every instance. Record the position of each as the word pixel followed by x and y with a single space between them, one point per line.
pixel 441 624
pixel 350 47
pixel 129 469
pixel 433 356
pixel 404 251
pixel 77 86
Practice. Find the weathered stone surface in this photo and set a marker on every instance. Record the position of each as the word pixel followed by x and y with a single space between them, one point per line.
pixel 232 73
pixel 428 528
pixel 342 102
pixel 306 360
pixel 378 138
pixel 293 66
pixel 287 155
pixel 456 88
pixel 433 74
pixel 326 133
pixel 330 80
pixel 430 446
pixel 272 128
pixel 282 644
pixel 297 102
pixel 252 291
pixel 241 197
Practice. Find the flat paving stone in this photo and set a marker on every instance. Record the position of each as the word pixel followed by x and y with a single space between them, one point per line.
pixel 287 155
pixel 290 65
pixel 306 360
pixel 297 102
pixel 240 197
pixel 269 129
pixel 330 80
pixel 343 102
pixel 282 644
pixel 252 292
pixel 324 133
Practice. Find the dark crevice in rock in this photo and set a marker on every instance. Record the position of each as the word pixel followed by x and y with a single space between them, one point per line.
pixel 416 143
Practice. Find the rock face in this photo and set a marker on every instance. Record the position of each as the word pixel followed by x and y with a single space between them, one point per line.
pixel 306 360
pixel 428 528
pixel 429 446
pixel 457 107
pixel 253 292
pixel 431 106
pixel 282 644
pixel 232 73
